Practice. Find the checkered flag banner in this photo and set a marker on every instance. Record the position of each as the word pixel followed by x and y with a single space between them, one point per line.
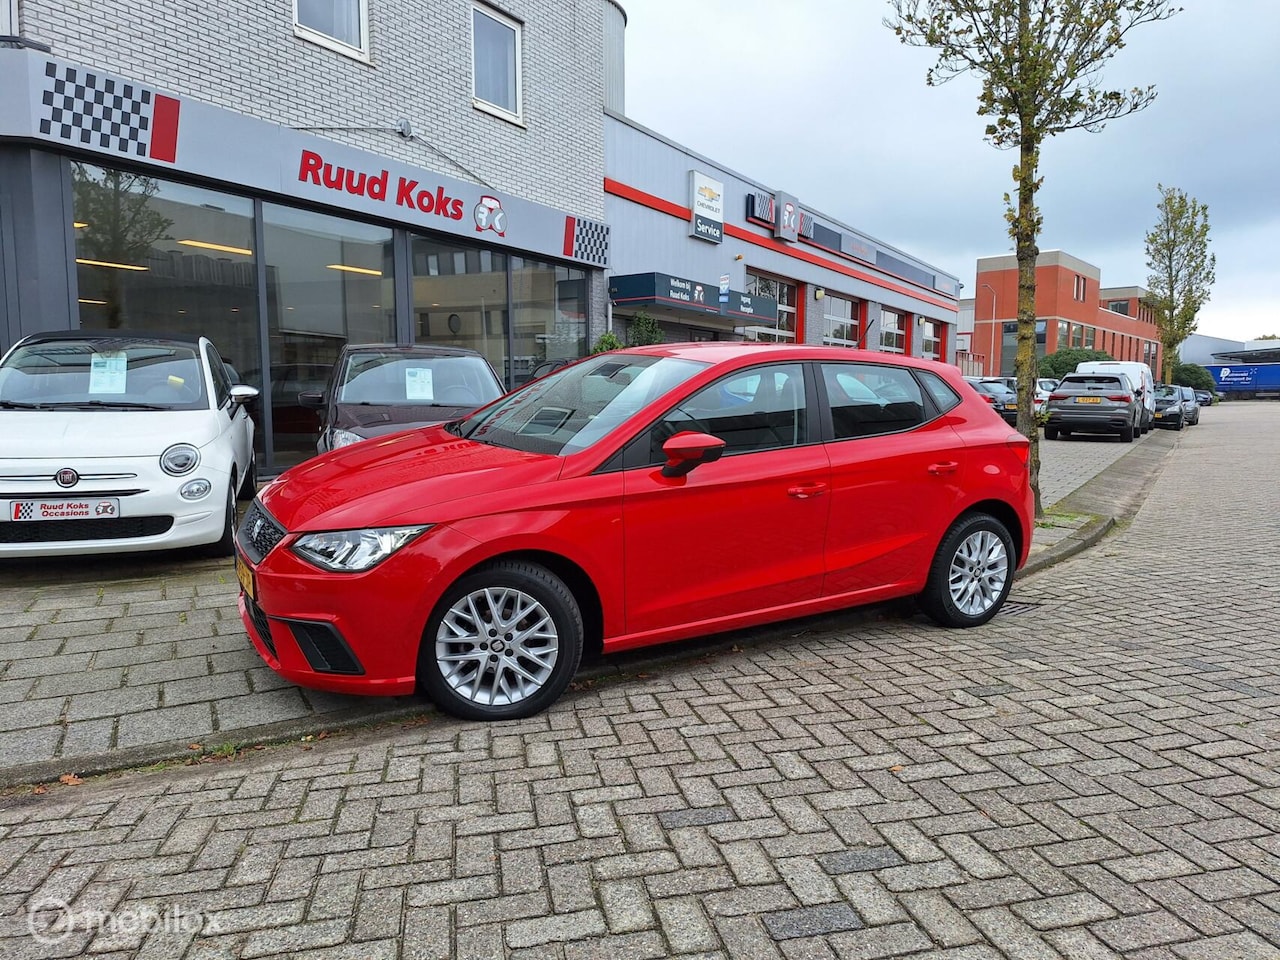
pixel 86 108
pixel 586 240
pixel 23 511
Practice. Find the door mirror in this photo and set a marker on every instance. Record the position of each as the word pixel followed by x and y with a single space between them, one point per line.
pixel 242 394
pixel 312 401
pixel 686 450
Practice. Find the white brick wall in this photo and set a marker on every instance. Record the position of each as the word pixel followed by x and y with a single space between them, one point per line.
pixel 243 55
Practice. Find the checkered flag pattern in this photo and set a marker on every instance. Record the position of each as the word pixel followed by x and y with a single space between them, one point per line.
pixel 88 109
pixel 587 240
pixel 23 511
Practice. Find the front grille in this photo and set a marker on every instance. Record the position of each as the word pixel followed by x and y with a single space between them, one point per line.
pixel 324 647
pixel 63 531
pixel 261 624
pixel 258 532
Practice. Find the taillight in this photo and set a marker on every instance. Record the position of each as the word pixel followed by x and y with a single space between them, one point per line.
pixel 988 397
pixel 1057 396
pixel 1120 398
pixel 1021 447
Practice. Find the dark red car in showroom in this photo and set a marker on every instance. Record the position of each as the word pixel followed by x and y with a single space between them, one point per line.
pixel 637 497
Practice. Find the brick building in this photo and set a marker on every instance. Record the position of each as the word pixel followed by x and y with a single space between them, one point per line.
pixel 1072 310
pixel 287 175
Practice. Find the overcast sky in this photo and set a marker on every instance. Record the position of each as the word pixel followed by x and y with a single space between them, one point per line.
pixel 754 83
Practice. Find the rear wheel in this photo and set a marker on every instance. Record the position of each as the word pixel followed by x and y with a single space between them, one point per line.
pixel 224 546
pixel 503 643
pixel 249 488
pixel 971 574
pixel 1050 433
pixel 1126 433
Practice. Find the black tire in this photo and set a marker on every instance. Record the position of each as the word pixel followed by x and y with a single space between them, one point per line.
pixel 938 601
pixel 249 488
pixel 1126 433
pixel 225 545
pixel 1065 432
pixel 458 693
pixel 1050 433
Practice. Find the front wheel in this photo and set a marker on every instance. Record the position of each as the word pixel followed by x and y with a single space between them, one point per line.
pixel 972 573
pixel 503 643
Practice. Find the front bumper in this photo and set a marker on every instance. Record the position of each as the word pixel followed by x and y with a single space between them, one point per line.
pixel 151 516
pixel 302 618
pixel 1169 418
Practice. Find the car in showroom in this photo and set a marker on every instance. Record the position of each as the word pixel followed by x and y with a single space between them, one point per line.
pixel 1094 403
pixel 640 496
pixel 377 389
pixel 999 395
pixel 119 442
pixel 1176 407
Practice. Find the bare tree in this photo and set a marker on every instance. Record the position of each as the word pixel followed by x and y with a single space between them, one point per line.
pixel 1182 269
pixel 1039 63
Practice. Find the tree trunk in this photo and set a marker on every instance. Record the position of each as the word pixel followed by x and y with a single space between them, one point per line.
pixel 1026 369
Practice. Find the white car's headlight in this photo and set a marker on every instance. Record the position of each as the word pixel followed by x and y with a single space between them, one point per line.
pixel 344 438
pixel 179 459
pixel 353 551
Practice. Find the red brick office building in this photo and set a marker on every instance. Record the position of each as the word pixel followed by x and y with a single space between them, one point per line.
pixel 1073 309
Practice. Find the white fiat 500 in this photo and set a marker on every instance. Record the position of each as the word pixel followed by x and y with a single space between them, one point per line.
pixel 113 442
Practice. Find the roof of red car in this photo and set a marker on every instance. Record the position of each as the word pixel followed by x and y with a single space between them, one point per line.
pixel 721 351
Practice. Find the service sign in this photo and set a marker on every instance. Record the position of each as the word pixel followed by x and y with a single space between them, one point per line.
pixel 706 207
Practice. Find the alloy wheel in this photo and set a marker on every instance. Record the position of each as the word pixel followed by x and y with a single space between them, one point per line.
pixel 979 570
pixel 497 646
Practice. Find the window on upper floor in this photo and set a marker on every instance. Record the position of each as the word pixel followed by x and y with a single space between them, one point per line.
pixel 495 62
pixel 8 18
pixel 341 25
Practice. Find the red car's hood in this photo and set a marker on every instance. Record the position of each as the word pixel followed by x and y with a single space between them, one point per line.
pixel 403 479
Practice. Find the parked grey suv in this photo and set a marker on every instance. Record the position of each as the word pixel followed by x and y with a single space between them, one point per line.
pixel 1093 403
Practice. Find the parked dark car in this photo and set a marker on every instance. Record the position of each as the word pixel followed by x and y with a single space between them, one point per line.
pixel 376 389
pixel 1204 398
pixel 1094 403
pixel 1002 399
pixel 1176 407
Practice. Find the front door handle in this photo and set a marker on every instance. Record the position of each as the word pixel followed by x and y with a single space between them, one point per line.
pixel 948 466
pixel 803 491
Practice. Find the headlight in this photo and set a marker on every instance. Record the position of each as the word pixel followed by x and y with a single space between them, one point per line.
pixel 179 459
pixel 344 438
pixel 352 551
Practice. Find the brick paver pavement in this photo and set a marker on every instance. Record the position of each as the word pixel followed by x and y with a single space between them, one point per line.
pixel 1093 774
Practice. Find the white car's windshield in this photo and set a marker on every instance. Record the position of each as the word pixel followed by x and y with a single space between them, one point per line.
pixel 574 407
pixel 393 378
pixel 97 372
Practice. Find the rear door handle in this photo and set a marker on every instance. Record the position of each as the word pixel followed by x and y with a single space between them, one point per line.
pixel 948 466
pixel 803 491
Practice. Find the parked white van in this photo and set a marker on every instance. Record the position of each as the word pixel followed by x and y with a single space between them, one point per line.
pixel 1139 375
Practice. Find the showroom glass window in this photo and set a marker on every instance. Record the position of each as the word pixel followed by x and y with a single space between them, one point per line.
pixel 549 315
pixel 840 321
pixel 893 331
pixel 329 281
pixel 495 60
pixel 342 25
pixel 460 297
pixel 786 293
pixel 931 344
pixel 157 256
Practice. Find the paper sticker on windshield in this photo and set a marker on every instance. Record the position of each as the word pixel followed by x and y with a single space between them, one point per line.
pixel 107 372
pixel 417 384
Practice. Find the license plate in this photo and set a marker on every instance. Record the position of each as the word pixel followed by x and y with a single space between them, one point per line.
pixel 245 576
pixel 1088 399
pixel 1011 406
pixel 87 508
pixel 1159 416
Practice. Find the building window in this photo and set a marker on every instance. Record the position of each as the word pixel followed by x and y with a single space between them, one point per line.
pixel 785 293
pixel 1119 306
pixel 495 62
pixel 341 25
pixel 8 18
pixel 893 332
pixel 1088 337
pixel 840 321
pixel 548 314
pixel 931 343
pixel 460 297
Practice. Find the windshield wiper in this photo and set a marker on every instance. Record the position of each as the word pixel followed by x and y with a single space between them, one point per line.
pixel 108 404
pixel 22 405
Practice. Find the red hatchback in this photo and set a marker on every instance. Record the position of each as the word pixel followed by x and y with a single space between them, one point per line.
pixel 636 497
